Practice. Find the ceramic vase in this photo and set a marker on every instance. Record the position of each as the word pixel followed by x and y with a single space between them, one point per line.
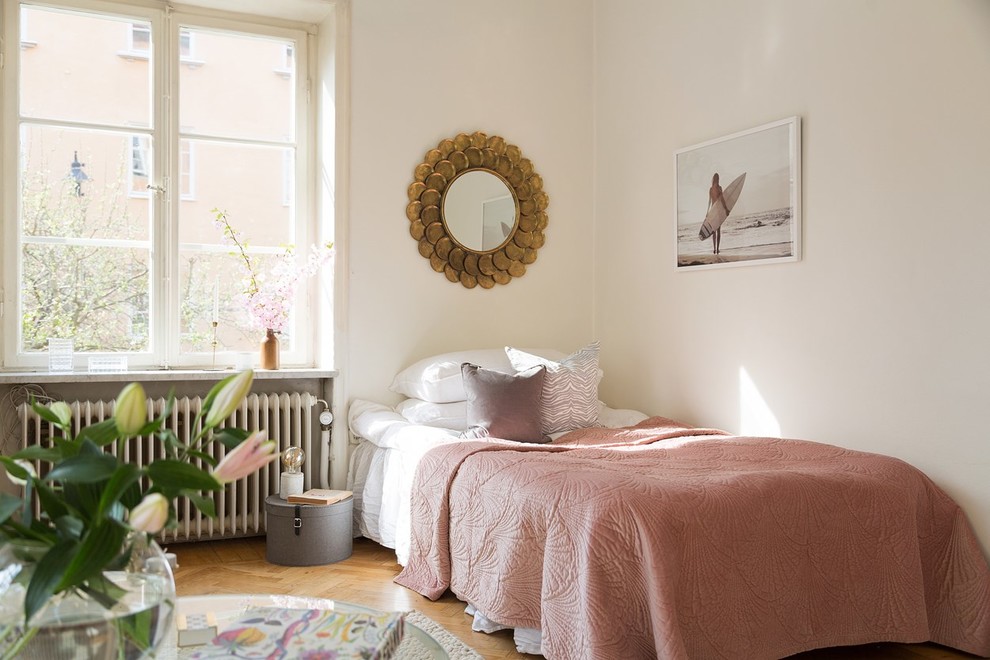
pixel 269 350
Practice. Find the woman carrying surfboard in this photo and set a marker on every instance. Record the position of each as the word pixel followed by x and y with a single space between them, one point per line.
pixel 715 197
pixel 719 206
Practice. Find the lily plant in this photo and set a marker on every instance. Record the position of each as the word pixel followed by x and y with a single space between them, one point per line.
pixel 91 501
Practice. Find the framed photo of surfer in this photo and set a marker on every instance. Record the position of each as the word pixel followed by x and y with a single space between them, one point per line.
pixel 739 198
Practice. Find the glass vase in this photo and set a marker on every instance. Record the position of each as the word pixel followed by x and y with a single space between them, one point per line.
pixel 269 350
pixel 123 614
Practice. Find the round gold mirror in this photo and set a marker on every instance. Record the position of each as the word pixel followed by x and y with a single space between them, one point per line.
pixel 477 209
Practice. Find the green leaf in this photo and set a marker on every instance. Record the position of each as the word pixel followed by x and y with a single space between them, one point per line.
pixel 84 499
pixel 170 443
pixel 100 434
pixel 84 469
pixel 70 527
pixel 45 413
pixel 42 531
pixel 132 496
pixel 101 543
pixel 169 404
pixel 8 506
pixel 27 511
pixel 39 453
pixel 203 456
pixel 151 427
pixel 102 590
pixel 137 628
pixel 47 574
pixel 125 475
pixel 167 437
pixel 204 504
pixel 51 503
pixel 231 437
pixel 15 470
pixel 170 476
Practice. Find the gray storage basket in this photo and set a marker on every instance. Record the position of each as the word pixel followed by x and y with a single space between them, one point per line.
pixel 308 534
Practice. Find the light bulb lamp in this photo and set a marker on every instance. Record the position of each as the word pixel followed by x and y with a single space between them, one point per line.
pixel 291 479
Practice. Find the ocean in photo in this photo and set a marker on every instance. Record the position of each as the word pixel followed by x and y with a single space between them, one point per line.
pixel 761 235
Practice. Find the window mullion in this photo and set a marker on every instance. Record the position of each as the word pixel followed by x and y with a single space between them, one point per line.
pixel 164 293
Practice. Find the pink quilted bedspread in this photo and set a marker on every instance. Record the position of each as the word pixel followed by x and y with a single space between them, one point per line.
pixel 663 541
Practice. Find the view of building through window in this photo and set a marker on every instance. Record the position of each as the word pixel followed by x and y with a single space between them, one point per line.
pixel 118 243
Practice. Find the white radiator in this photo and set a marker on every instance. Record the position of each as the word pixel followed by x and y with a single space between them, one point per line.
pixel 240 507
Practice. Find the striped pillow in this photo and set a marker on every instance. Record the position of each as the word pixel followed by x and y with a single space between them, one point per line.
pixel 570 389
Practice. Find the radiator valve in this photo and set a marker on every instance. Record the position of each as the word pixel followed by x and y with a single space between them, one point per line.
pixel 326 417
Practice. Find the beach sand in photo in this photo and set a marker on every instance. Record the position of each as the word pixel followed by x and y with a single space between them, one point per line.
pixel 752 237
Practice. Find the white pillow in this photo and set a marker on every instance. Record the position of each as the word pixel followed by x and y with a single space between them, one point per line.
pixel 442 415
pixel 570 389
pixel 437 379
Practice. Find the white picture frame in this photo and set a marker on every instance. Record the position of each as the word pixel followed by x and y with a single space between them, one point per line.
pixel 759 184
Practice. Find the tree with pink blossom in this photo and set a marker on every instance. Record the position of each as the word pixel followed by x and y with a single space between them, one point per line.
pixel 268 296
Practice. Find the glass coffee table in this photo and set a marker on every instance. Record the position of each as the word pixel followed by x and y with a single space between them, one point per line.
pixel 227 608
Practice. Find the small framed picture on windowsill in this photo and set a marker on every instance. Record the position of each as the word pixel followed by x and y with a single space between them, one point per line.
pixel 738 198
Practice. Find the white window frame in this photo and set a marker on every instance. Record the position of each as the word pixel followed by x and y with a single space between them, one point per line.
pixel 130 35
pixel 165 337
pixel 187 170
pixel 25 38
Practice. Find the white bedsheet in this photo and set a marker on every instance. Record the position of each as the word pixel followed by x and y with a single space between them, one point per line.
pixel 381 471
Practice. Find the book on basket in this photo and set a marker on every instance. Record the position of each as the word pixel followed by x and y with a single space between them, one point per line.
pixel 196 629
pixel 318 496
pixel 276 632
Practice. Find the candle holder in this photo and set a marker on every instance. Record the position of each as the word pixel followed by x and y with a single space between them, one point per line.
pixel 214 343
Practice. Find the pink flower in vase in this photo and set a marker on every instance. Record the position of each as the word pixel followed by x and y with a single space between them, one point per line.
pixel 268 296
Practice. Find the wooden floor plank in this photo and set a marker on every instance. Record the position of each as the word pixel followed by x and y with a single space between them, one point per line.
pixel 239 566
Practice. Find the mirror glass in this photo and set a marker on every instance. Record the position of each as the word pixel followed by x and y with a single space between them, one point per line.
pixel 479 210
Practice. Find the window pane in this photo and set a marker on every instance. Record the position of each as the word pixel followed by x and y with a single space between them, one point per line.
pixel 93 257
pixel 77 183
pixel 237 86
pixel 244 181
pixel 99 296
pixel 213 288
pixel 82 69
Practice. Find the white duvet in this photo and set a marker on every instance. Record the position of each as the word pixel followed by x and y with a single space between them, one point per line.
pixel 383 465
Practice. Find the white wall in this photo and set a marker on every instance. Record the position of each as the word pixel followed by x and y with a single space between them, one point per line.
pixel 428 70
pixel 878 339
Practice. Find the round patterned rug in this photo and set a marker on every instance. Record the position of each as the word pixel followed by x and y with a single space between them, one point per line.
pixel 412 649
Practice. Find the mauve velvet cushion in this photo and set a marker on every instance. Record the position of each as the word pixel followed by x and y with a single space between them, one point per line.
pixel 503 405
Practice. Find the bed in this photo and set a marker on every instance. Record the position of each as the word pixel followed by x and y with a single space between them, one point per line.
pixel 655 539
pixel 660 540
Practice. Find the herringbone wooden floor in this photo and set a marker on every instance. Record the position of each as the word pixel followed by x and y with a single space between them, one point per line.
pixel 239 566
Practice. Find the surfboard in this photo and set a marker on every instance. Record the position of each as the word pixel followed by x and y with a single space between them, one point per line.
pixel 716 214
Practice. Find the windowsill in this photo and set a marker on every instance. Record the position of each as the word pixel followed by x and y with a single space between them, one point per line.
pixel 133 54
pixel 39 376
